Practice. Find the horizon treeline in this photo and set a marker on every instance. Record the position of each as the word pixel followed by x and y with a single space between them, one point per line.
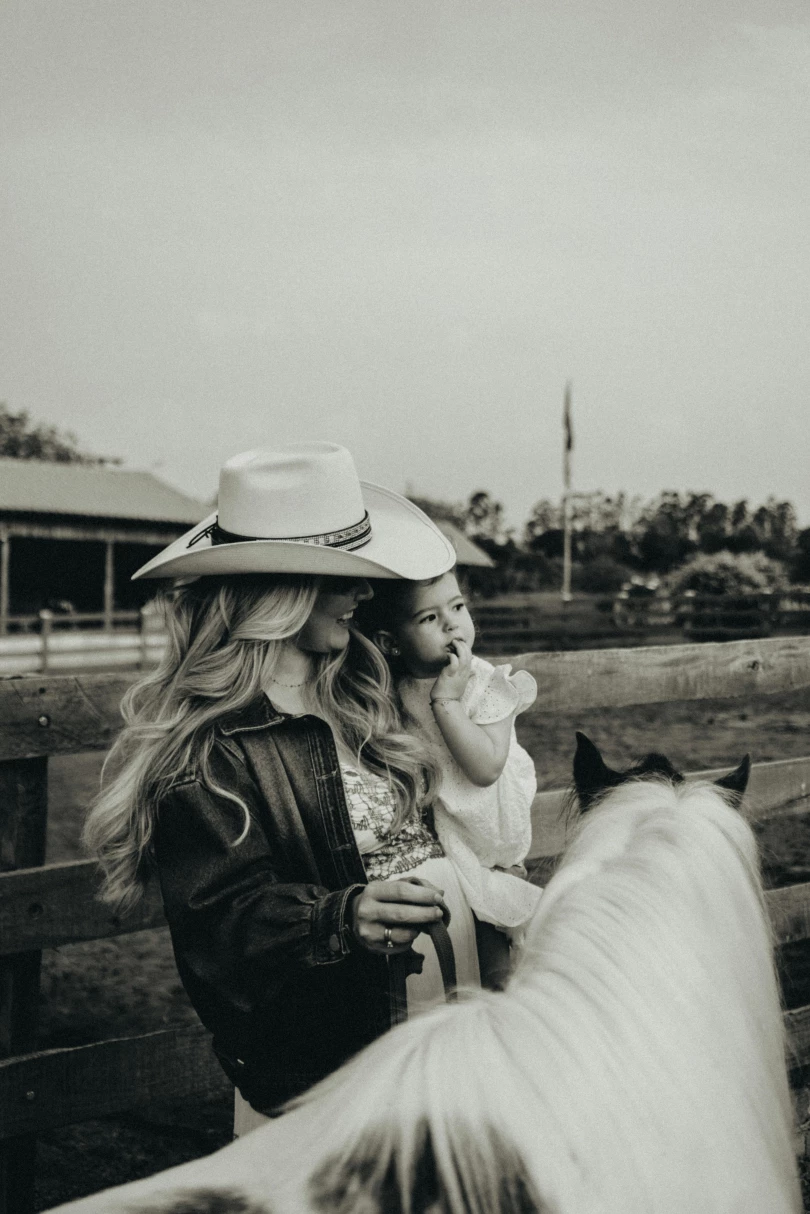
pixel 616 539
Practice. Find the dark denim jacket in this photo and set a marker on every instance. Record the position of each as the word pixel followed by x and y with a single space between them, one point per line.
pixel 259 927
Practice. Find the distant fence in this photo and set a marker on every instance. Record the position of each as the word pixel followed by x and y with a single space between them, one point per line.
pixel 45 906
pixel 49 641
pixel 640 617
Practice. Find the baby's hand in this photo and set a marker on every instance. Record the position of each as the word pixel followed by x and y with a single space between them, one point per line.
pixel 456 674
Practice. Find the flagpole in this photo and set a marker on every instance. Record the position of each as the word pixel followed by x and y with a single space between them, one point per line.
pixel 568 444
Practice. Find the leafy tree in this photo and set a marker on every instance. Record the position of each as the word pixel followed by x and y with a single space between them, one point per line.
pixel 21 439
pixel 601 575
pixel 800 565
pixel 546 516
pixel 484 519
pixel 775 525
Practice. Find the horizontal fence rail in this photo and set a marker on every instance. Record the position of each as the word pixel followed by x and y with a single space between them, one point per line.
pixel 55 904
pixel 774 788
pixel 63 1087
pixel 44 715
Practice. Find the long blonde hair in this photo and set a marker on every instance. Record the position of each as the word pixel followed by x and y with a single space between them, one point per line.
pixel 224 640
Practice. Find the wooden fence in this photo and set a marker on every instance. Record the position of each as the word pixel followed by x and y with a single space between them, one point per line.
pixel 590 621
pixel 46 906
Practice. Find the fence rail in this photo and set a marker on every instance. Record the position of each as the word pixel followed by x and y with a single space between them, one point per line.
pixel 42 906
pixel 639 618
pixel 50 642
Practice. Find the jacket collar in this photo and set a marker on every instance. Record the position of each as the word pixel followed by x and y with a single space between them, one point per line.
pixel 258 714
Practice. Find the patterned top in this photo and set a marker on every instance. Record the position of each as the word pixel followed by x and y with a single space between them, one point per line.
pixel 371 810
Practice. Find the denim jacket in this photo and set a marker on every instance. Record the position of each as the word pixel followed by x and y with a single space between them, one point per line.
pixel 259 926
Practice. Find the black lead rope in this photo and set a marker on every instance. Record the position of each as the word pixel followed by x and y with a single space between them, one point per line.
pixel 403 964
pixel 447 960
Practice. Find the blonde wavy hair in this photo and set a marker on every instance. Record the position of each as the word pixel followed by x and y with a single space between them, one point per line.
pixel 224 641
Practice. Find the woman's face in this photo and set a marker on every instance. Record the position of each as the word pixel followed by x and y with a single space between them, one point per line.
pixel 327 628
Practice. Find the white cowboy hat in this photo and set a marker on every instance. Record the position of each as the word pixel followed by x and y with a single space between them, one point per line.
pixel 302 509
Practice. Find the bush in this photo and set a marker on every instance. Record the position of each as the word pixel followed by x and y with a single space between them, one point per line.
pixel 602 575
pixel 729 573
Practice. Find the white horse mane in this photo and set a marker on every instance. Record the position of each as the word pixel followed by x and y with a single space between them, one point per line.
pixel 634 1065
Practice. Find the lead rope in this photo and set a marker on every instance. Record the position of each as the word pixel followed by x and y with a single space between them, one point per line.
pixel 402 964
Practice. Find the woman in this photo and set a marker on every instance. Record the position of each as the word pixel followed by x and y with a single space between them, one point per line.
pixel 264 775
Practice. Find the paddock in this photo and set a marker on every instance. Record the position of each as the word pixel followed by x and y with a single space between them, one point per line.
pixel 44 906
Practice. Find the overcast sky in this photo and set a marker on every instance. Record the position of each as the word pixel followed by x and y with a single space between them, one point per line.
pixel 402 225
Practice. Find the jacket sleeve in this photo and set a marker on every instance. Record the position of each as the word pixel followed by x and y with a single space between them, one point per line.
pixel 236 926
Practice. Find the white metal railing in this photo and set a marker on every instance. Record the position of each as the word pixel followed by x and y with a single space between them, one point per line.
pixel 49 642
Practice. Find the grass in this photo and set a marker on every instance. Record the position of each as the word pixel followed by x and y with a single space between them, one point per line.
pixel 129 985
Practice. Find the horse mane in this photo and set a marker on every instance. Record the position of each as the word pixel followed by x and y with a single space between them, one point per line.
pixel 634 1064
pixel 635 1061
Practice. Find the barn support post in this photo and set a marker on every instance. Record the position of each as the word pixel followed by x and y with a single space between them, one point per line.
pixel 23 825
pixel 109 585
pixel 5 561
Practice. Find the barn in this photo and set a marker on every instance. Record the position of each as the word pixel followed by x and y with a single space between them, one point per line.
pixel 72 535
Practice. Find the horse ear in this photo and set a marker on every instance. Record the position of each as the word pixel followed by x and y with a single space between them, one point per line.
pixel 591 774
pixel 737 781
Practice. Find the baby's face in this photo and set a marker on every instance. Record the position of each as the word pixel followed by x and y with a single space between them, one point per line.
pixel 436 616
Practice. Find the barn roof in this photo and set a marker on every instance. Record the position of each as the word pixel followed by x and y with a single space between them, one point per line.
pixel 31 486
pixel 467 552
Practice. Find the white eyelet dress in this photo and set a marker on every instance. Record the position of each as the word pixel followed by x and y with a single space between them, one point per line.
pixel 484 830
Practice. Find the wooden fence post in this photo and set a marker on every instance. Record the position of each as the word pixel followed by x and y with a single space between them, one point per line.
pixel 23 826
pixel 5 552
pixel 45 618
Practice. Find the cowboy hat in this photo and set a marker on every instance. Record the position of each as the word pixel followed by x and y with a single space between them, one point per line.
pixel 302 509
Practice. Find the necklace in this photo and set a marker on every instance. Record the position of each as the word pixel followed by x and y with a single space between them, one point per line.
pixel 279 683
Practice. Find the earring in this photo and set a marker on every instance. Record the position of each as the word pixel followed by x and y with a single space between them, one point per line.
pixel 394 651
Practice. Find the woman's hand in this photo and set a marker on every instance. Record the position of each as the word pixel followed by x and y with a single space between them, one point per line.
pixel 456 674
pixel 402 908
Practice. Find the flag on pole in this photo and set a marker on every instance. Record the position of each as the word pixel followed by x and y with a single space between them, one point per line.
pixel 568 445
pixel 568 435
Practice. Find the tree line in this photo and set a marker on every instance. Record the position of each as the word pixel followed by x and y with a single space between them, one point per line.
pixel 617 539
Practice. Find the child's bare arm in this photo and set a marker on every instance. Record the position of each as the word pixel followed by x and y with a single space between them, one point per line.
pixel 479 750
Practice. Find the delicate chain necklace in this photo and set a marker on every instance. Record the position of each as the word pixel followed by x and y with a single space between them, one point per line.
pixel 279 683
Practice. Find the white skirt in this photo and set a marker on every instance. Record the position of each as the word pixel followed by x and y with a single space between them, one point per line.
pixel 424 990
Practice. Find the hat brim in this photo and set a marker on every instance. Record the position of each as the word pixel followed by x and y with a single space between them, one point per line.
pixel 404 543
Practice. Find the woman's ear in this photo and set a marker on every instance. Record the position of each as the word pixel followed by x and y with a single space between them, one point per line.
pixel 385 641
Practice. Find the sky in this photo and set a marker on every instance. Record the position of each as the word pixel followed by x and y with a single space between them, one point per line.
pixel 404 227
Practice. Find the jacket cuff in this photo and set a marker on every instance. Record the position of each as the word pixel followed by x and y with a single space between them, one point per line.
pixel 331 931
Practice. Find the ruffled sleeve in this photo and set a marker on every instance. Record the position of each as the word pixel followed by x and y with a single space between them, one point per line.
pixel 499 694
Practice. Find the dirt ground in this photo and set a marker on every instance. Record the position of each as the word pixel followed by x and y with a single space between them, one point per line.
pixel 117 987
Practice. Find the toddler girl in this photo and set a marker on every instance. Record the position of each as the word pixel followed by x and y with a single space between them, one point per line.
pixel 466 707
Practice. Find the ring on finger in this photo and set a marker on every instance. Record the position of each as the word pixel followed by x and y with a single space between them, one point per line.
pixel 389 943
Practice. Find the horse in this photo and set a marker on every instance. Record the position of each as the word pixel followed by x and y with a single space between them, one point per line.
pixel 635 1062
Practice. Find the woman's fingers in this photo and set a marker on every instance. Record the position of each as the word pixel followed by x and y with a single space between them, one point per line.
pixel 398 913
pixel 415 890
pixel 401 908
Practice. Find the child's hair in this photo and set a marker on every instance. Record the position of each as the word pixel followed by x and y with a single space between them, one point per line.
pixel 224 640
